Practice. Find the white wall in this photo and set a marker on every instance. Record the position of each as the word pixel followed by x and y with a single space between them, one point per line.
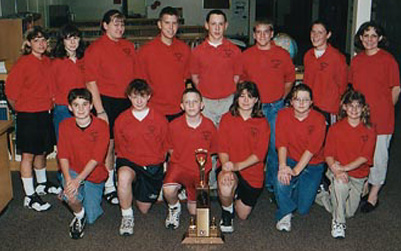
pixel 194 14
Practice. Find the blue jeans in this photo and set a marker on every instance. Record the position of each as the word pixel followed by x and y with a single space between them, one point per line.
pixel 270 111
pixel 90 195
pixel 300 193
pixel 60 113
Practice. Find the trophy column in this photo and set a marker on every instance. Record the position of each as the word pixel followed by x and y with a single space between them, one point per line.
pixel 204 231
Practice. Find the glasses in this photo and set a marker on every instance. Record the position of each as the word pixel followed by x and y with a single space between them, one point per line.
pixel 302 100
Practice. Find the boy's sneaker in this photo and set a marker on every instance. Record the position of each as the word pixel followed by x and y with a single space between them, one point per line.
pixel 36 203
pixel 284 224
pixel 338 230
pixel 47 188
pixel 173 217
pixel 227 221
pixel 127 225
pixel 112 198
pixel 77 227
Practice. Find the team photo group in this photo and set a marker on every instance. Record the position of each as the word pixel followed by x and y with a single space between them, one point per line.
pixel 127 122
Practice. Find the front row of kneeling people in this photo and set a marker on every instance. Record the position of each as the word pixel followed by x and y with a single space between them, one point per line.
pixel 143 137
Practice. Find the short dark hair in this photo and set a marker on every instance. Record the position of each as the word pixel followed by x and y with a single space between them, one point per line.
pixel 300 87
pixel 216 12
pixel 109 15
pixel 67 31
pixel 168 10
pixel 365 27
pixel 79 93
pixel 138 86
pixel 323 23
pixel 254 92
pixel 35 32
pixel 191 90
pixel 263 22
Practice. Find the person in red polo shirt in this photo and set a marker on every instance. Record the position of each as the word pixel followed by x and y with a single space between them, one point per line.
pixel 141 148
pixel 243 139
pixel 325 71
pixel 28 89
pixel 187 134
pixel 164 64
pixel 375 73
pixel 348 151
pixel 270 67
pixel 82 148
pixel 68 70
pixel 215 67
pixel 299 140
pixel 110 65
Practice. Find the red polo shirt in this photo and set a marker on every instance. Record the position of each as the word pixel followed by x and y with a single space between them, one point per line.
pixel 142 142
pixel 29 84
pixel 269 70
pixel 375 76
pixel 216 67
pixel 346 143
pixel 327 77
pixel 111 64
pixel 299 136
pixel 79 146
pixel 165 68
pixel 240 139
pixel 184 140
pixel 67 76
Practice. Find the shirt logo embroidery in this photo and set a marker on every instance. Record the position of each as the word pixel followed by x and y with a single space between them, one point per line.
pixel 364 138
pixel 323 66
pixel 206 136
pixel 275 63
pixel 178 56
pixel 228 53
pixel 127 51
pixel 93 136
pixel 254 132
pixel 311 128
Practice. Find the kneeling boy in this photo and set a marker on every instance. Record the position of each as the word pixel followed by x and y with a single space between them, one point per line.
pixel 140 134
pixel 82 146
pixel 187 134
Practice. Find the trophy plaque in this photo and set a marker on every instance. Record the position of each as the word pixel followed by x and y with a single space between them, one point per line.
pixel 202 230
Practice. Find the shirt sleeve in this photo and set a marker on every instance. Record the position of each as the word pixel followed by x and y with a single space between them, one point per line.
pixel 368 147
pixel 15 81
pixel 100 150
pixel 222 136
pixel 316 135
pixel 281 139
pixel 289 74
pixel 194 64
pixel 329 148
pixel 341 75
pixel 92 62
pixel 394 73
pixel 262 144
pixel 63 143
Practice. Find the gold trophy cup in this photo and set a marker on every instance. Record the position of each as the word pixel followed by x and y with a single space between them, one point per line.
pixel 203 231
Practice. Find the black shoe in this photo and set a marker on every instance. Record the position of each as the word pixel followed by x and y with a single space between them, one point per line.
pixel 36 203
pixel 112 198
pixel 369 207
pixel 227 221
pixel 47 188
pixel 77 227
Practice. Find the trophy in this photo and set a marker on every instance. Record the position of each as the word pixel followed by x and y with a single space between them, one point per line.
pixel 202 231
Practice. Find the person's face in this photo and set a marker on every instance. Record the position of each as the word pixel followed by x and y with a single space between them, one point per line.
pixel 168 26
pixel 263 35
pixel 81 108
pixel 353 110
pixel 115 29
pixel 192 104
pixel 319 36
pixel 370 39
pixel 301 102
pixel 38 46
pixel 246 101
pixel 216 27
pixel 71 44
pixel 139 101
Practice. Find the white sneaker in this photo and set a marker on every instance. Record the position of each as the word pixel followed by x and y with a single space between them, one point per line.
pixel 36 203
pixel 127 225
pixel 284 224
pixel 338 230
pixel 48 188
pixel 173 217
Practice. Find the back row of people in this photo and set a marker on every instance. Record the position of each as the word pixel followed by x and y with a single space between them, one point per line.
pixel 215 67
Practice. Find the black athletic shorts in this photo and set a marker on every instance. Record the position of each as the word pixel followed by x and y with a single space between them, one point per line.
pixel 34 132
pixel 149 180
pixel 113 107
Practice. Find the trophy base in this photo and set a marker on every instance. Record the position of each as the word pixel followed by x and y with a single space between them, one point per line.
pixel 195 240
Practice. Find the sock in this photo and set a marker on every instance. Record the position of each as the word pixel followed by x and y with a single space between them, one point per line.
pixel 127 212
pixel 109 185
pixel 80 214
pixel 40 175
pixel 28 186
pixel 230 208
pixel 176 205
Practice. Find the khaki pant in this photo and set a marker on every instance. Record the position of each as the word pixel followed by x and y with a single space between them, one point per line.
pixel 345 197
